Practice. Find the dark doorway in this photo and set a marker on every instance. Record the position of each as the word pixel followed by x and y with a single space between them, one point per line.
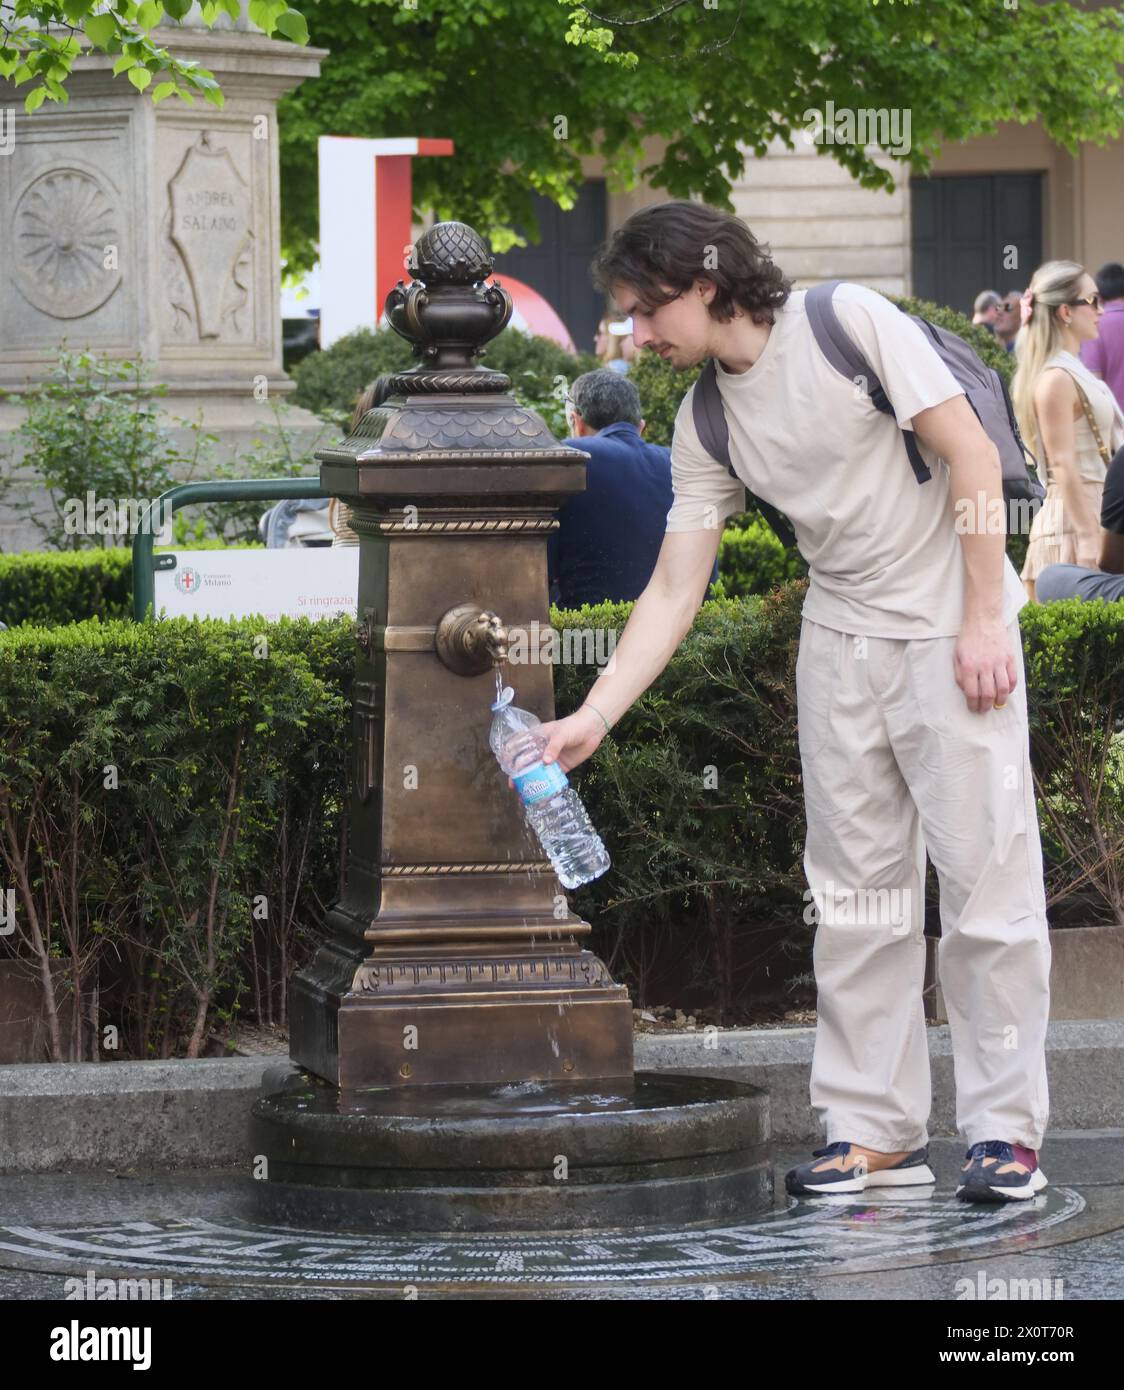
pixel 963 230
pixel 558 267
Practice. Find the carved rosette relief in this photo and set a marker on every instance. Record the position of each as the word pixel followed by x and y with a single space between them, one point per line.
pixel 208 248
pixel 64 227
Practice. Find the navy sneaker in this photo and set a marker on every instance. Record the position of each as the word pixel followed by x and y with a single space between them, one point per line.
pixel 836 1169
pixel 1000 1172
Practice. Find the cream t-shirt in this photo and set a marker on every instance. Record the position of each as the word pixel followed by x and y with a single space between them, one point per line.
pixel 883 552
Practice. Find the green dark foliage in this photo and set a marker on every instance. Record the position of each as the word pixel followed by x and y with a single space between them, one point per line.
pixel 682 95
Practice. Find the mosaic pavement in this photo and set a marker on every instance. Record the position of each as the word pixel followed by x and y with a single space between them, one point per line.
pixel 815 1237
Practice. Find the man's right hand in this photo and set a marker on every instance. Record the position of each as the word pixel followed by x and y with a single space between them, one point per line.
pixel 572 739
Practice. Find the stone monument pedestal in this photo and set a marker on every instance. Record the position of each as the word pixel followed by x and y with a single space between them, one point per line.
pixel 130 228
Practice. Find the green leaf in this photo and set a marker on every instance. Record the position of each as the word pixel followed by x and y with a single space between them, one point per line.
pixel 162 90
pixel 35 99
pixel 292 24
pixel 140 78
pixel 265 13
pixel 177 8
pixel 75 9
pixel 149 14
pixel 123 64
pixel 100 28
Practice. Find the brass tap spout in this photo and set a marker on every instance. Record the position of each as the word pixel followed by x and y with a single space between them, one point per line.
pixel 491 634
pixel 471 640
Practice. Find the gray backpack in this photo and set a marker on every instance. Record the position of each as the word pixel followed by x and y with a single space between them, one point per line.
pixel 984 387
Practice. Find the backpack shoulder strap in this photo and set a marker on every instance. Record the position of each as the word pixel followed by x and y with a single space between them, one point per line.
pixel 844 354
pixel 710 417
pixel 713 430
pixel 838 346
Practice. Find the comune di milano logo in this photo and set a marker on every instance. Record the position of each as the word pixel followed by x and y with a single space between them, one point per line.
pixel 77 1343
pixel 189 581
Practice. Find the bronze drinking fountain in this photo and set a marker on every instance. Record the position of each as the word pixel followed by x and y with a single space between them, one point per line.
pixel 462 1061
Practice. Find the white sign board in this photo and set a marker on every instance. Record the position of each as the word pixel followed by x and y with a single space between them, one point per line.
pixel 312 582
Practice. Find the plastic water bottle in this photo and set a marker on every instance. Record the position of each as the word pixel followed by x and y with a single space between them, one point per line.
pixel 553 809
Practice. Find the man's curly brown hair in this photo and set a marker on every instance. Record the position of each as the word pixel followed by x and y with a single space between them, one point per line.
pixel 676 243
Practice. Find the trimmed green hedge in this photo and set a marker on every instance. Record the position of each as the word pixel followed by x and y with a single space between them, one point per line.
pixel 47 587
pixel 172 801
pixel 171 798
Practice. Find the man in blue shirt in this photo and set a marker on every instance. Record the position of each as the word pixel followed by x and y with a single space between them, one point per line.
pixel 610 535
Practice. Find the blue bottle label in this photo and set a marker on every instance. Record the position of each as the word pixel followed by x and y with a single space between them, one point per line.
pixel 540 780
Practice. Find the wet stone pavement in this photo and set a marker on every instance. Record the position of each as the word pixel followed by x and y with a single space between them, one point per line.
pixel 198 1230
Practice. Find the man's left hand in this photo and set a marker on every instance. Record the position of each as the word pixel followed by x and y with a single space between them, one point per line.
pixel 985 665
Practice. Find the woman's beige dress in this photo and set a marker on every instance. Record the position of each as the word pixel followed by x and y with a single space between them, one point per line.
pixel 1051 540
pixel 339 514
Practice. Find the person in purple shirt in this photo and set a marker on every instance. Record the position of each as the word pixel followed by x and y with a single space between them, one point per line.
pixel 609 536
pixel 1105 354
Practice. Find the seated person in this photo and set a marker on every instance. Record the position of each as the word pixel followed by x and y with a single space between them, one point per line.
pixel 610 535
pixel 1075 581
pixel 296 522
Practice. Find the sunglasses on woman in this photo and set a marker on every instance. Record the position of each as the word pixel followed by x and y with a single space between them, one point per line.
pixel 1094 301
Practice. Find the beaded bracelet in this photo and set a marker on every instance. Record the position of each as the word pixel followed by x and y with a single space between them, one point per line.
pixel 598 712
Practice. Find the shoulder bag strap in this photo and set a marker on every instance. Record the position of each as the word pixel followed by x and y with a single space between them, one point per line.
pixel 1106 456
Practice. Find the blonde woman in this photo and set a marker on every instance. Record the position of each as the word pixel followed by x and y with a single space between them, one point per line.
pixel 339 513
pixel 614 348
pixel 1068 417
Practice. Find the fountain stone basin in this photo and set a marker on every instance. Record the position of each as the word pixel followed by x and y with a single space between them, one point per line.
pixel 650 1149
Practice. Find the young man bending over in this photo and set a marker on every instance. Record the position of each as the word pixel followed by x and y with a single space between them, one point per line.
pixel 911 697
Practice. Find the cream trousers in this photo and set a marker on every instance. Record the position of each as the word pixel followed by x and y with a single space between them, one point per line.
pixel 894 764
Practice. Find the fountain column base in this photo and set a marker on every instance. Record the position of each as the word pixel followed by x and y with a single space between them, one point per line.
pixel 471 1014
